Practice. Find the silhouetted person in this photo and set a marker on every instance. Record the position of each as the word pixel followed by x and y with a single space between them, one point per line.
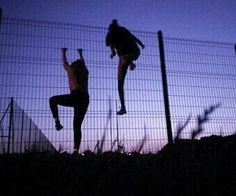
pixel 125 44
pixel 78 98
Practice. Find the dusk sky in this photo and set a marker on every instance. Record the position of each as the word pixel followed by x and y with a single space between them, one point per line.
pixel 211 20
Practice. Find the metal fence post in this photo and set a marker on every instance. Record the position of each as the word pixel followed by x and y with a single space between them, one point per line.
pixel 117 131
pixel 10 126
pixel 165 87
pixel 22 131
pixel 0 17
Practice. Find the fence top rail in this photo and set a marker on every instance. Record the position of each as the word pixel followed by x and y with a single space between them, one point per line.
pixel 44 22
pixel 198 41
pixel 66 24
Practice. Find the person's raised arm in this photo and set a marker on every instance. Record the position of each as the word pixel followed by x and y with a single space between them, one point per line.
pixel 139 42
pixel 113 52
pixel 64 59
pixel 108 43
pixel 80 51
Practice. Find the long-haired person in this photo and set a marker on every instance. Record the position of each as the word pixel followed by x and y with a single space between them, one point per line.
pixel 78 98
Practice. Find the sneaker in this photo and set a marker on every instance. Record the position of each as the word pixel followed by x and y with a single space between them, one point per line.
pixel 58 125
pixel 132 66
pixel 122 111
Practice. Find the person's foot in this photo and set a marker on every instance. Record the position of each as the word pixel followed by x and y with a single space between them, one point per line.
pixel 75 152
pixel 132 66
pixel 58 125
pixel 121 111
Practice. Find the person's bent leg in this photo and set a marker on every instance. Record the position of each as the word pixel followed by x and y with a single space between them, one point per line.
pixel 133 57
pixel 64 100
pixel 132 66
pixel 54 109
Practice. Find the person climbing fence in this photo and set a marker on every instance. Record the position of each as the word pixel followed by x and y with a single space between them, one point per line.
pixel 78 98
pixel 123 43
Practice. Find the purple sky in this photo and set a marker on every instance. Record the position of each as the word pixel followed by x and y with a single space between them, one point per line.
pixel 211 20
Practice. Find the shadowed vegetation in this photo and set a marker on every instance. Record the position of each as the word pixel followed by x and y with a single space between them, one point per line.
pixel 187 167
pixel 201 120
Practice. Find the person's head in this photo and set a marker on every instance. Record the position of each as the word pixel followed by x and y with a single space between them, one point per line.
pixel 78 64
pixel 114 24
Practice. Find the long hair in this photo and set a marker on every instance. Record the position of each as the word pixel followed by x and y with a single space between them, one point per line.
pixel 79 67
pixel 77 64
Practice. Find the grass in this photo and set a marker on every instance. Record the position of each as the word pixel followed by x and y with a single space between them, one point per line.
pixel 186 167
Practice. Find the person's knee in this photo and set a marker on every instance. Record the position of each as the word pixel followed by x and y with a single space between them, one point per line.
pixel 135 54
pixel 52 100
pixel 120 74
pixel 123 67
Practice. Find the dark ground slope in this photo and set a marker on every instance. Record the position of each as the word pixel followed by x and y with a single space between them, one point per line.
pixel 206 166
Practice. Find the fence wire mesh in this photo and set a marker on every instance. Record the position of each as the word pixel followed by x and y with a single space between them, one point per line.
pixel 200 74
pixel 18 133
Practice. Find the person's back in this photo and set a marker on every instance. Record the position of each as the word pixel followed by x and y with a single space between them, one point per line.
pixel 122 40
pixel 81 73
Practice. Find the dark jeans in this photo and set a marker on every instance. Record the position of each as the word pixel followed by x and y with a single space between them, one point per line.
pixel 79 101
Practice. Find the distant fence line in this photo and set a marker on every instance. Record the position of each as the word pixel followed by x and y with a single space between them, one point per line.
pixel 18 133
pixel 198 73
